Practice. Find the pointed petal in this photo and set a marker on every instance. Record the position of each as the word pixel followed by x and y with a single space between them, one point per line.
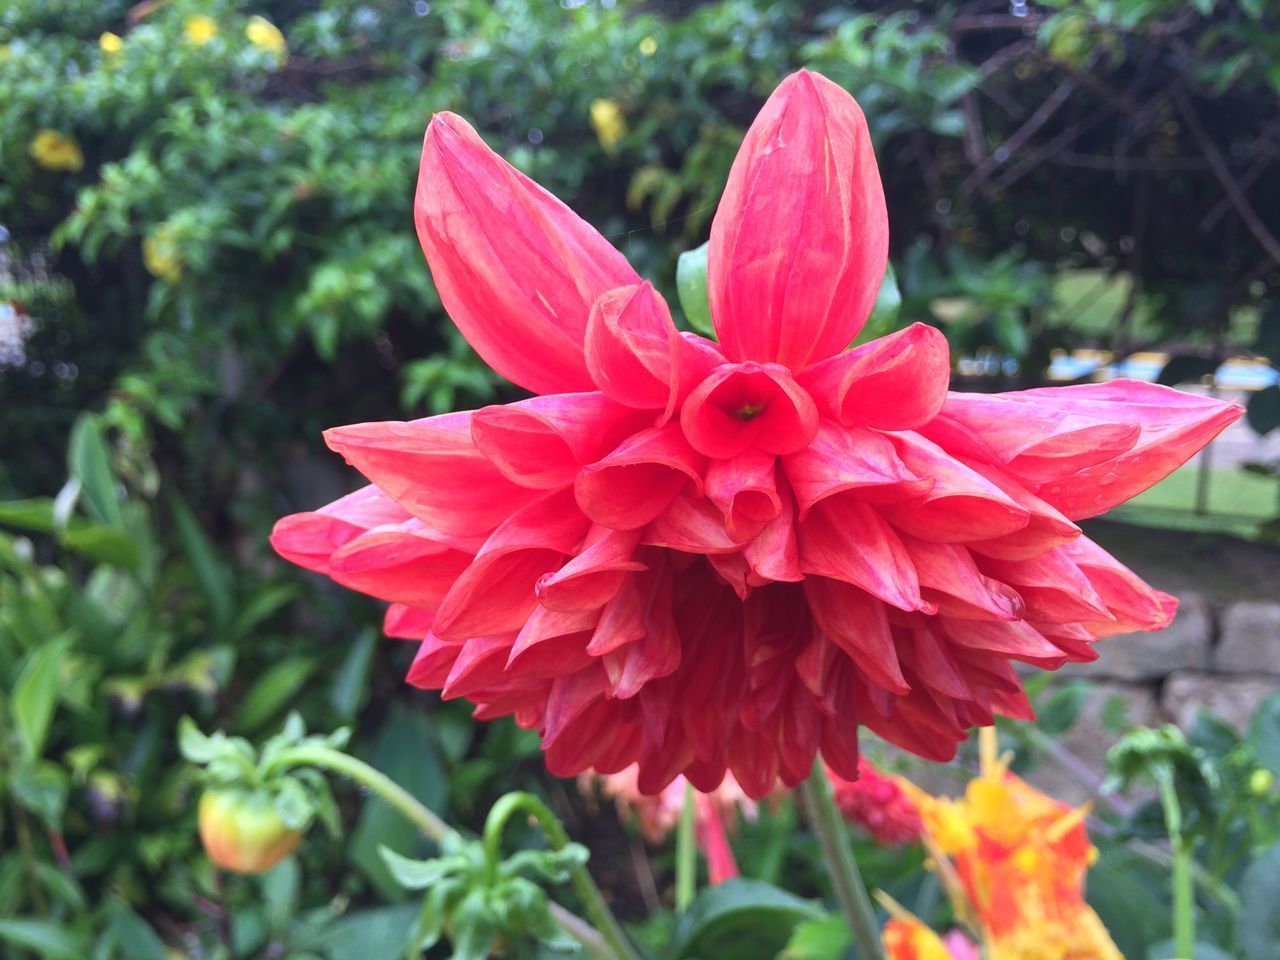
pixel 407 623
pixel 595 575
pixel 774 554
pixel 746 491
pixel 432 663
pixel 1054 589
pixel 931 663
pixel 897 382
pixel 1174 425
pixel 403 563
pixel 637 356
pixel 637 481
pixel 1046 528
pixel 743 406
pixel 848 541
pixel 800 240
pixel 516 269
pixel 851 459
pixel 1134 604
pixel 1017 640
pixel 856 623
pixel 543 442
pixel 962 506
pixel 952 580
pixel 433 470
pixel 309 539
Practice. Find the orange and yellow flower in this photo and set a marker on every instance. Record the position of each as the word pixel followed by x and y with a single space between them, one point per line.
pixel 1014 860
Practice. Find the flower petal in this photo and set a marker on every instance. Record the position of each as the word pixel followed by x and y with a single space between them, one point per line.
pixel 516 269
pixel 897 382
pixel 637 481
pixel 309 539
pixel 637 356
pixel 800 240
pixel 403 563
pixel 746 491
pixel 543 442
pixel 856 622
pixel 952 580
pixel 432 468
pixel 851 459
pixel 691 524
pixel 1134 604
pixel 743 406
pixel 1174 425
pixel 594 576
pixel 407 623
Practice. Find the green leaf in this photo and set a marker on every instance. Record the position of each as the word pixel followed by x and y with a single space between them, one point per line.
pixel 134 937
pixel 351 685
pixel 1059 710
pixel 194 745
pixel 1259 924
pixel 50 940
pixel 35 514
pixel 1128 895
pixel 1263 410
pixel 36 693
pixel 1166 950
pixel 272 692
pixel 377 934
pixel 884 314
pixel 405 752
pixel 280 888
pixel 691 287
pixel 89 462
pixel 213 577
pixel 743 919
pixel 824 939
pixel 419 874
pixel 105 544
pixel 1264 733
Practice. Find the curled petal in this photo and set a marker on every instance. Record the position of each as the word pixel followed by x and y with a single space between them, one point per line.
pixel 403 563
pixel 407 623
pixel 962 505
pixel 638 357
pixel 801 238
pixel 594 576
pixel 551 644
pixel 749 405
pixel 309 539
pixel 433 470
pixel 1045 530
pixel 898 382
pixel 774 553
pixel 746 491
pixel 1134 604
pixel 543 442
pixel 691 524
pixel 847 540
pixel 1017 640
pixel 637 481
pixel 851 459
pixel 516 269
pixel 1174 425
pixel 1054 589
pixel 952 580
pixel 432 663
pixel 856 623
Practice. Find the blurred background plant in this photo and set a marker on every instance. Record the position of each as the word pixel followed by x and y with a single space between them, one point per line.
pixel 206 257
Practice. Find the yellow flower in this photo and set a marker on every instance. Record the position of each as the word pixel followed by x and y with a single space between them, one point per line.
pixel 200 29
pixel 160 255
pixel 56 151
pixel 608 122
pixel 265 35
pixel 110 43
pixel 648 47
pixel 1014 861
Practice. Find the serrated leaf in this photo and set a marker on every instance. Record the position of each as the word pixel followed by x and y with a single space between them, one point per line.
pixel 691 287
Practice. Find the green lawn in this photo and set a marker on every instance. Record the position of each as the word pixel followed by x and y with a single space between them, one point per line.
pixel 1238 502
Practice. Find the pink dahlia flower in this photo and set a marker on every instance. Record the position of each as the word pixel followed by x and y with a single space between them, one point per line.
pixel 701 556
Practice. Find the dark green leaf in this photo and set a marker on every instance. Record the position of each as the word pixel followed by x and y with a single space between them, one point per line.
pixel 50 940
pixel 1185 368
pixel 1264 733
pixel 36 693
pixel 743 919
pixel 351 684
pixel 1165 950
pixel 35 514
pixel 824 939
pixel 90 463
pixel 273 692
pixel 884 314
pixel 1263 410
pixel 134 937
pixel 1259 926
pixel 105 544
pixel 212 576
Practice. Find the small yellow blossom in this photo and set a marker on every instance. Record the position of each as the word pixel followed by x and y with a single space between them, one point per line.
pixel 648 46
pixel 200 29
pixel 608 122
pixel 160 255
pixel 56 151
pixel 110 43
pixel 265 35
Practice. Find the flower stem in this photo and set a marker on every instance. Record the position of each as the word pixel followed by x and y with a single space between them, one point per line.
pixel 326 758
pixel 686 853
pixel 1184 916
pixel 851 892
pixel 599 912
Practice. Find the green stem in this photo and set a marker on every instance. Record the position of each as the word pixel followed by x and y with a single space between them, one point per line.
pixel 686 853
pixel 1184 916
pixel 374 779
pixel 851 892
pixel 606 923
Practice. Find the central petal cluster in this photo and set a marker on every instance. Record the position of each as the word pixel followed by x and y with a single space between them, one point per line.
pixel 698 556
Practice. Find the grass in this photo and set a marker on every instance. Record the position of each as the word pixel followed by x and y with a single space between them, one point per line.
pixel 1238 503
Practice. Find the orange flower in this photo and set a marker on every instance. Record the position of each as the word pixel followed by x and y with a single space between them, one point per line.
pixel 1015 860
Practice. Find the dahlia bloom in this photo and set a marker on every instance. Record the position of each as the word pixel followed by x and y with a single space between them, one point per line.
pixel 703 556
pixel 906 938
pixel 1014 861
pixel 877 803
